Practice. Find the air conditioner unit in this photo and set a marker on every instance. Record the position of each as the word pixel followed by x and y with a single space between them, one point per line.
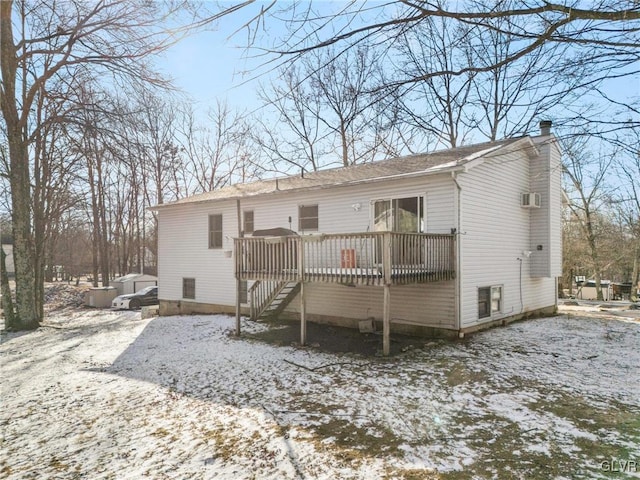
pixel 530 200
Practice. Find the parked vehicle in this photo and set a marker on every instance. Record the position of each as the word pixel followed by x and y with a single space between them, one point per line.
pixel 133 301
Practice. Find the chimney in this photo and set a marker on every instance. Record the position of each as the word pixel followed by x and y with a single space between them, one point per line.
pixel 545 127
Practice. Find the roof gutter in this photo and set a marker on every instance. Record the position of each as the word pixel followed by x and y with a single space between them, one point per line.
pixel 429 172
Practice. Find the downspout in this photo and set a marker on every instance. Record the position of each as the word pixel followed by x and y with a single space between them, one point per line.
pixel 237 255
pixel 458 283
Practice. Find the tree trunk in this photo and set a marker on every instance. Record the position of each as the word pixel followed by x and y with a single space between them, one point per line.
pixel 593 247
pixel 23 254
pixel 635 281
pixel 95 234
pixel 7 302
pixel 104 232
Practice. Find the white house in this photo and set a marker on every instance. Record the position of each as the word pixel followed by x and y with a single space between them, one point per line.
pixel 447 242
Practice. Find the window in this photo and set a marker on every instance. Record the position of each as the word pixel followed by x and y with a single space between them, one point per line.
pixel 307 217
pixel 399 215
pixel 496 299
pixel 489 301
pixel 215 231
pixel 189 288
pixel 248 221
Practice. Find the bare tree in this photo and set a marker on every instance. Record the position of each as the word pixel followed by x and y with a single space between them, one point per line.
pixel 54 41
pixel 628 167
pixel 217 153
pixel 331 109
pixel 586 174
pixel 604 36
pixel 296 137
pixel 510 99
pixel 343 84
pixel 436 106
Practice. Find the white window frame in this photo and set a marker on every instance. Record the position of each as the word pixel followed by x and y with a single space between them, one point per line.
pixel 214 241
pixel 244 221
pixel 494 310
pixel 184 288
pixel 422 228
pixel 301 218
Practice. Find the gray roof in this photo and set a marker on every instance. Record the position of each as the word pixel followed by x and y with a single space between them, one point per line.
pixel 419 164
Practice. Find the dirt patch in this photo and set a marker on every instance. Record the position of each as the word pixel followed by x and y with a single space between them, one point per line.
pixel 327 338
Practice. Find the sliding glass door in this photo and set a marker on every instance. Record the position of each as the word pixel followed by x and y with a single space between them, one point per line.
pixel 402 215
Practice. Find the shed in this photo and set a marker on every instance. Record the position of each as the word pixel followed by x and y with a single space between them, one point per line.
pixel 133 282
pixel 100 297
pixel 587 290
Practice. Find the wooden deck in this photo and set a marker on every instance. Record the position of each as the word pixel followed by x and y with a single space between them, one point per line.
pixel 278 264
pixel 373 258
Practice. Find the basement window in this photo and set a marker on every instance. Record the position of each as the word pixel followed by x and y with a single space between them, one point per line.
pixel 489 301
pixel 189 288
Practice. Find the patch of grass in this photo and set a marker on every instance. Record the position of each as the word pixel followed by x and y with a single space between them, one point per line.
pixel 411 474
pixel 252 448
pixel 616 427
pixel 57 464
pixel 458 373
pixel 357 439
pixel 359 442
pixel 160 432
pixel 502 449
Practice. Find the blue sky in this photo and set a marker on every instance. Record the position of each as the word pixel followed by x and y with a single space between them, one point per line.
pixel 213 65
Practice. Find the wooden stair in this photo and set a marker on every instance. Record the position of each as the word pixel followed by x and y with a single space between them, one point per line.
pixel 268 301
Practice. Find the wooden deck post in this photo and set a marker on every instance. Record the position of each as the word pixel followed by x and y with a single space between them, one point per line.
pixel 237 260
pixel 303 316
pixel 386 321
pixel 303 304
pixel 238 288
pixel 386 310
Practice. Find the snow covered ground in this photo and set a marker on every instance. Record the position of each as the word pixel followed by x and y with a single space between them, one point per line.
pixel 102 394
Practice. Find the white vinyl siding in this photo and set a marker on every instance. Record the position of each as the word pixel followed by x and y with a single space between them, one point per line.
pixel 182 253
pixel 546 178
pixel 429 305
pixel 492 236
pixel 495 233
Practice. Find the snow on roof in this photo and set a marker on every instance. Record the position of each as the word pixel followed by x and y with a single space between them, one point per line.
pixel 131 276
pixel 418 164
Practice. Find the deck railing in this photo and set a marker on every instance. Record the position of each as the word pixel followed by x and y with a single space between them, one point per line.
pixel 371 258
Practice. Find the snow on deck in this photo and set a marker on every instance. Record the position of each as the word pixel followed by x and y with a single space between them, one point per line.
pixel 102 394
